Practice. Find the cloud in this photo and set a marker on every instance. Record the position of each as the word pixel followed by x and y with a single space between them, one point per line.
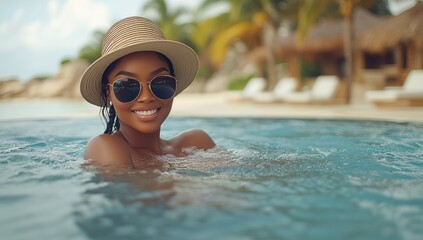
pixel 8 27
pixel 66 24
pixel 36 35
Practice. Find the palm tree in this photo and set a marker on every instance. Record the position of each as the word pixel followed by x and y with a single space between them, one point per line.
pixel 252 22
pixel 168 20
pixel 92 50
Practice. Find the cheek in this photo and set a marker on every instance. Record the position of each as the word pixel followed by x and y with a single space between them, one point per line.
pixel 168 106
pixel 120 108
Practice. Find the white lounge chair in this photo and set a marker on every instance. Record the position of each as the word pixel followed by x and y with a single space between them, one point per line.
pixel 411 93
pixel 323 90
pixel 283 87
pixel 255 85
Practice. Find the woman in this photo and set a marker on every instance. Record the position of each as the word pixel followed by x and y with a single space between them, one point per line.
pixel 134 82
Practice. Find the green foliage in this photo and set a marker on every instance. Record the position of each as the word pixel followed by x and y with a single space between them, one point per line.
pixel 310 69
pixel 308 15
pixel 169 20
pixel 65 60
pixel 92 50
pixel 239 82
pixel 203 72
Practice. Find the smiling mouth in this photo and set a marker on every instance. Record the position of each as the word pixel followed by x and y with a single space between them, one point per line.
pixel 147 112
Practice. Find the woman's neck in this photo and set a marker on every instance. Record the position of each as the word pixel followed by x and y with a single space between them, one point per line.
pixel 150 142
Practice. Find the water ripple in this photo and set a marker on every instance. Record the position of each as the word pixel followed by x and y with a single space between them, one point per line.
pixel 281 179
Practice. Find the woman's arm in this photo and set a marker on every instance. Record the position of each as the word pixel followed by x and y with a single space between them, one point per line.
pixel 195 138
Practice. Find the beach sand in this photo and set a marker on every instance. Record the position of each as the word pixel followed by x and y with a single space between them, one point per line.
pixel 220 105
pixel 214 105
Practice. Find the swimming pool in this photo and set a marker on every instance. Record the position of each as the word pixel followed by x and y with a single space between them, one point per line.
pixel 268 179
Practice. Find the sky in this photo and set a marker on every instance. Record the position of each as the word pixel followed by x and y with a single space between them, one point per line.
pixel 35 35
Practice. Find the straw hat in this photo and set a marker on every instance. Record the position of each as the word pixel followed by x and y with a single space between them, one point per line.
pixel 134 34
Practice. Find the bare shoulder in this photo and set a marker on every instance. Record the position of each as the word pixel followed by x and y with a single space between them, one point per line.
pixel 107 150
pixel 194 138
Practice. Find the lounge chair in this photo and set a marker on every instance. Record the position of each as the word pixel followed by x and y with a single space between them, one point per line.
pixel 283 87
pixel 323 90
pixel 411 93
pixel 255 85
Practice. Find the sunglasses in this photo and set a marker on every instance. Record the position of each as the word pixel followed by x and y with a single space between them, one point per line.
pixel 127 90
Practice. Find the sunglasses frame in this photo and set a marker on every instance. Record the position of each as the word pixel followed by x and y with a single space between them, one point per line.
pixel 149 86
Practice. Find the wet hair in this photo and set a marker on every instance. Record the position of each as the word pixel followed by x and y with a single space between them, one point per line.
pixel 107 110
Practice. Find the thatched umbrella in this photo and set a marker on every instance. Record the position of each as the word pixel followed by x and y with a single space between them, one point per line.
pixel 327 36
pixel 405 27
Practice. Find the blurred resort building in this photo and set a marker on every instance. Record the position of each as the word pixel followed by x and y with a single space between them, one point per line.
pixel 393 47
pixel 385 50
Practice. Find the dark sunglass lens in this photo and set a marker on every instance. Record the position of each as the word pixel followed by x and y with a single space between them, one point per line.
pixel 126 90
pixel 163 87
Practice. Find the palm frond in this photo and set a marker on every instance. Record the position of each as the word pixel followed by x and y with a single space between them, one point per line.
pixel 309 13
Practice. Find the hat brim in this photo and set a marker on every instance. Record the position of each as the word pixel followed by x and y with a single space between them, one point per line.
pixel 184 59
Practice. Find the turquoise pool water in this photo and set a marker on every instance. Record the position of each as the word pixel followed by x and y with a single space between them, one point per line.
pixel 268 179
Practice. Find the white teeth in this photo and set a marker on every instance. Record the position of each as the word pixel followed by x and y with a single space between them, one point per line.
pixel 146 113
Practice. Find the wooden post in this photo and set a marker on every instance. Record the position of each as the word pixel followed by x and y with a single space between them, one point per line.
pixel 347 7
pixel 269 40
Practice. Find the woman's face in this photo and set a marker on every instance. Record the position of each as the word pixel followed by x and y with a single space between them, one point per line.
pixel 146 113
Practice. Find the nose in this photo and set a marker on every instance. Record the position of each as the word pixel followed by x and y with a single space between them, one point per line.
pixel 145 94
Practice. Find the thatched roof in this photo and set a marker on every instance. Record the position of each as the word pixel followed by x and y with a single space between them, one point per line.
pixel 405 27
pixel 327 36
